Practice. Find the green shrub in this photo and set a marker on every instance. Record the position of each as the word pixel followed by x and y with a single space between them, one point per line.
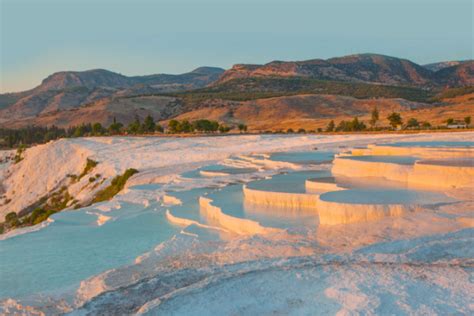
pixel 116 185
pixel 19 153
pixel 39 215
pixel 224 128
pixel 331 126
pixel 90 164
pixel 10 217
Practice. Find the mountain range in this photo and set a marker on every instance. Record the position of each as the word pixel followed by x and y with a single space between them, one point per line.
pixel 74 97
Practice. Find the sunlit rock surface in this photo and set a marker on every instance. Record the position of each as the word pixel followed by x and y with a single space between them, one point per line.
pixel 280 198
pixel 266 222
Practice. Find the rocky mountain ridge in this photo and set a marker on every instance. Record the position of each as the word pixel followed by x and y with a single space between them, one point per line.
pixel 359 76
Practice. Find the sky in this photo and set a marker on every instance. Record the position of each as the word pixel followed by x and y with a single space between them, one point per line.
pixel 139 37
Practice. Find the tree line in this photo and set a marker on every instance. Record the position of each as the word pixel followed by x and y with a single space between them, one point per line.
pixel 203 126
pixel 395 120
pixel 12 138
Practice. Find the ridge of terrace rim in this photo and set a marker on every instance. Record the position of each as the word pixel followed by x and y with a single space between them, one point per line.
pixel 383 159
pixel 432 144
pixel 371 193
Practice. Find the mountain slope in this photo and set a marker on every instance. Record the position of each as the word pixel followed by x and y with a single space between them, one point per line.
pixel 370 68
pixel 104 78
pixel 104 111
pixel 89 79
pixel 69 97
pixel 71 89
pixel 457 75
pixel 315 111
pixel 441 65
pixel 367 68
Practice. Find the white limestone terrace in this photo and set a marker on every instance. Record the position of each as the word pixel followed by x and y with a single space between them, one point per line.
pixel 422 149
pixel 344 268
pixel 46 167
pixel 336 204
pixel 323 184
pixel 356 205
pixel 427 164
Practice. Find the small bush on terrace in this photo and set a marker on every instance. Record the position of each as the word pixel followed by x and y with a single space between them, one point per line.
pixel 115 186
pixel 90 164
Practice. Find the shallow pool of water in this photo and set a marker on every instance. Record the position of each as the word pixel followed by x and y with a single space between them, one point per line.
pixel 74 247
pixel 231 201
pixel 216 170
pixel 387 196
pixel 401 160
pixel 460 162
pixel 293 182
pixel 308 157
pixel 452 144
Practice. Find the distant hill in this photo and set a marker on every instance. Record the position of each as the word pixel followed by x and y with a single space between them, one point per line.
pixel 108 79
pixel 73 97
pixel 460 75
pixel 367 68
pixel 71 89
pixel 444 64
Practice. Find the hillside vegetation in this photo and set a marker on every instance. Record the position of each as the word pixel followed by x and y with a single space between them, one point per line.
pixel 258 88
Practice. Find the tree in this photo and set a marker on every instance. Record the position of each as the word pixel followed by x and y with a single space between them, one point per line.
pixel 148 125
pixel 356 125
pixel 115 127
pixel 395 119
pixel 159 128
pixel 134 127
pixel 301 131
pixel 426 125
pixel 374 117
pixel 242 127
pixel 205 126
pixel 214 126
pixel 352 126
pixel 174 126
pixel 342 126
pixel 290 131
pixel 467 120
pixel 413 122
pixel 450 121
pixel 186 127
pixel 330 127
pixel 79 131
pixel 97 129
pixel 223 128
pixel 11 219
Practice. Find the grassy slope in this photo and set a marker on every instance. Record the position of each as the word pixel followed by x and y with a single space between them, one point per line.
pixel 258 88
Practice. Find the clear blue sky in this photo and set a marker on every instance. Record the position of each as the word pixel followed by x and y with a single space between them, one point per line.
pixel 137 37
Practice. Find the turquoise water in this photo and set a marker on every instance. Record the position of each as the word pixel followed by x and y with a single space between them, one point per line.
pixel 388 196
pixel 73 248
pixel 293 182
pixel 401 160
pixel 460 162
pixel 431 144
pixel 189 209
pixel 231 200
pixel 219 169
pixel 308 157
